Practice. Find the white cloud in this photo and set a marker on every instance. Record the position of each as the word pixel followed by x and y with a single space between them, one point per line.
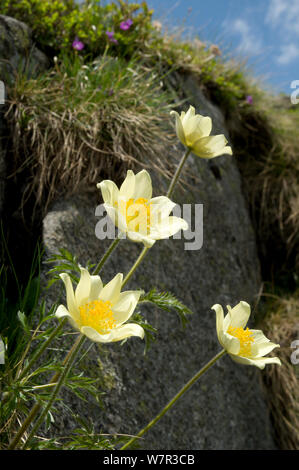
pixel 276 9
pixel 288 53
pixel 284 14
pixel 249 43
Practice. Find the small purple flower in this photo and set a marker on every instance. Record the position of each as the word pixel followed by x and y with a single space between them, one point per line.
pixel 110 35
pixel 125 25
pixel 78 45
pixel 249 99
pixel 110 92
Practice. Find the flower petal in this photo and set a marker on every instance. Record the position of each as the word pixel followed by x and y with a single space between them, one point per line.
pixel 128 186
pixel 143 185
pixel 83 288
pixel 259 336
pixel 125 306
pixel 95 288
pixel 230 343
pixel 168 227
pixel 70 296
pixel 127 330
pixel 141 238
pixel 161 207
pixel 198 127
pixel 258 362
pixel 179 127
pixel 219 318
pixel 205 125
pixel 210 147
pixel 239 315
pixel 111 291
pixel 116 217
pixel 109 191
pixel 261 349
pixel 62 312
pixel 94 335
pixel 187 116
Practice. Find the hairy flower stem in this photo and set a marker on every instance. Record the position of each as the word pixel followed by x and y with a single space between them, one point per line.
pixel 178 173
pixel 135 266
pixel 175 398
pixel 74 351
pixel 106 255
pixel 36 408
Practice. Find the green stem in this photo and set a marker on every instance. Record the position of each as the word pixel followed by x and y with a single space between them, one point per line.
pixel 177 173
pixel 39 352
pixel 74 351
pixel 35 409
pixel 175 398
pixel 39 387
pixel 106 255
pixel 135 265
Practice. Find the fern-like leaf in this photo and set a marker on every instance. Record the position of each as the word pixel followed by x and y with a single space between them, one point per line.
pixel 168 302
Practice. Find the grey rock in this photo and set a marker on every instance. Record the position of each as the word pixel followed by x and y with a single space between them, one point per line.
pixel 18 54
pixel 226 408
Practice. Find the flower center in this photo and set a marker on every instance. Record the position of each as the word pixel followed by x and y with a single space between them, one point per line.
pixel 137 213
pixel 245 337
pixel 98 315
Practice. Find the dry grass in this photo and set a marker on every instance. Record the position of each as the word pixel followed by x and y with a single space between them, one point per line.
pixel 82 121
pixel 266 145
pixel 282 326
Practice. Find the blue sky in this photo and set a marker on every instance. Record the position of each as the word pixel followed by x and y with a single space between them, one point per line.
pixel 266 32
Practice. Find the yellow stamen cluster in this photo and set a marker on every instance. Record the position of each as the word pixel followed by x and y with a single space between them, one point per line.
pixel 245 337
pixel 138 213
pixel 98 315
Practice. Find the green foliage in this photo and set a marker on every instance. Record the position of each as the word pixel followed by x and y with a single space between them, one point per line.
pixel 149 330
pixel 82 120
pixel 64 262
pixel 168 302
pixel 24 378
pixel 56 24
pixel 85 437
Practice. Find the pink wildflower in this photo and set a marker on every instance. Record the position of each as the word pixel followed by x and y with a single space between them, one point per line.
pixel 110 35
pixel 78 45
pixel 125 25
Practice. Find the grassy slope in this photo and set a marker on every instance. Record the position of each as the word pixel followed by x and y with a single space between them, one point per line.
pixel 84 115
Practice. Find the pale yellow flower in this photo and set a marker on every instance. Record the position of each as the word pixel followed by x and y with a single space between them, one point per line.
pixel 243 345
pixel 194 130
pixel 100 312
pixel 133 210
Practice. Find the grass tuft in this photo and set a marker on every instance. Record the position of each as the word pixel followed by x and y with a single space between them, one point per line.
pixel 79 121
pixel 282 326
pixel 265 143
